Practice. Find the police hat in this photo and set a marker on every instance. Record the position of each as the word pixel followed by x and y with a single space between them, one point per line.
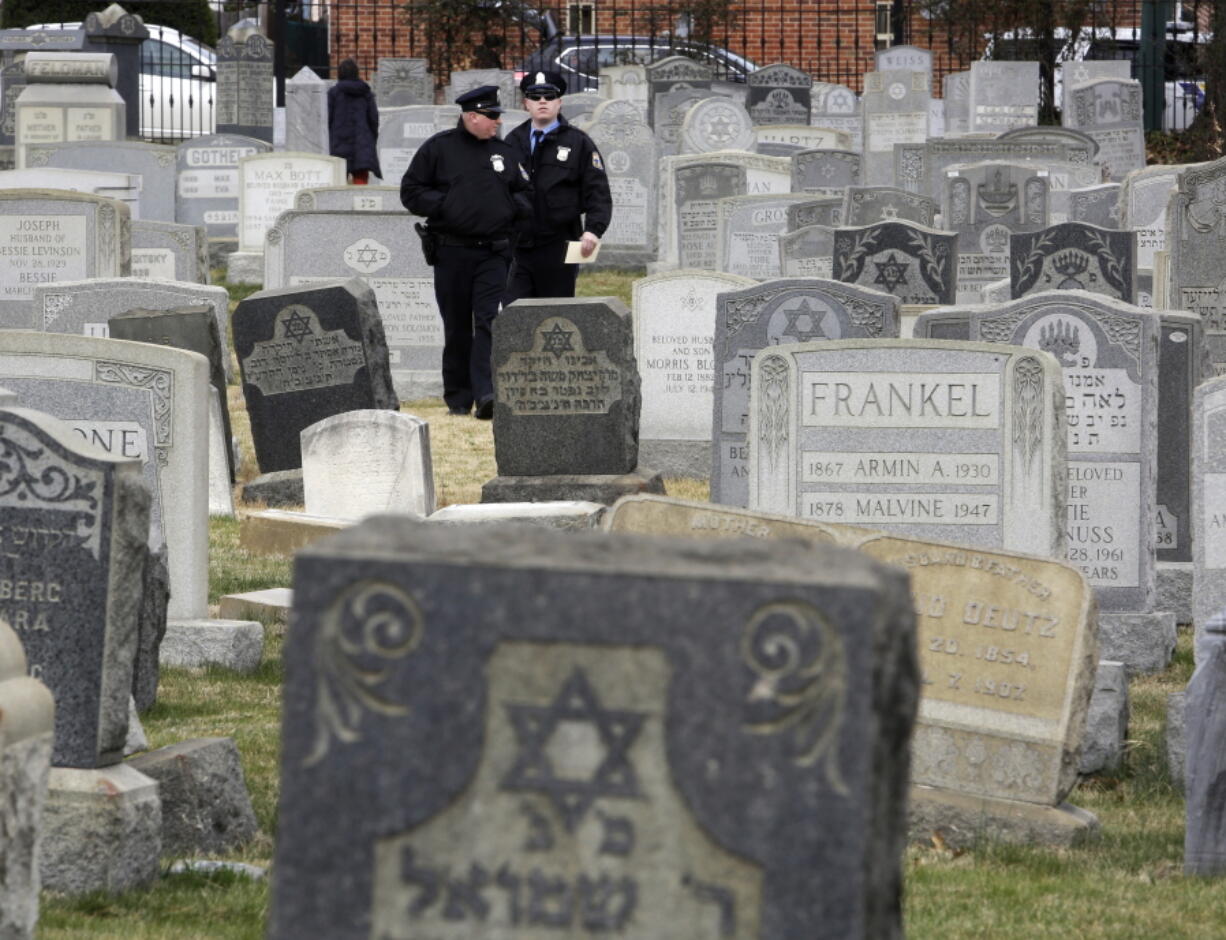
pixel 542 81
pixel 484 98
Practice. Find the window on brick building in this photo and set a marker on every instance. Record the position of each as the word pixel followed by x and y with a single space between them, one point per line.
pixel 581 19
pixel 885 23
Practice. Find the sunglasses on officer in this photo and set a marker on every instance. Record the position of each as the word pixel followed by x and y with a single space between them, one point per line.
pixel 542 96
pixel 491 115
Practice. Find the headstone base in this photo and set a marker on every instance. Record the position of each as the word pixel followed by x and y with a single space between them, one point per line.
pixel 962 820
pixel 1175 739
pixel 234 644
pixel 277 532
pixel 596 488
pixel 245 267
pixel 678 458
pixel 1102 744
pixel 574 514
pixel 102 830
pixel 279 488
pixel 1142 642
pixel 1175 589
pixel 271 604
pixel 206 808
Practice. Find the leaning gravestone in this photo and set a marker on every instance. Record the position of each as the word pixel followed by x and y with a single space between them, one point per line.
pixel 779 94
pixel 583 782
pixel 1007 647
pixel 777 312
pixel 154 163
pixel 1074 256
pixel 924 438
pixel 245 82
pixel 895 112
pixel 82 517
pixel 631 160
pixel 916 264
pixel 825 172
pixel 1109 110
pixel 838 108
pixel 402 81
pixel 169 251
pixel 864 205
pixel 715 124
pixel 68 96
pixel 807 252
pixel 307 353
pixel 674 331
pixel 1196 227
pixel 360 463
pixel 1003 95
pixel 308 248
pixel 48 236
pixel 747 233
pixel 306 112
pixel 207 181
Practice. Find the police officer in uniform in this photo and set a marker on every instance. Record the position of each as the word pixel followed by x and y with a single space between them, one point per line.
pixel 472 190
pixel 571 199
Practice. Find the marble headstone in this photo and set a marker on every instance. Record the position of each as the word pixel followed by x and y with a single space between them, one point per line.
pixel 895 112
pixel 1109 110
pixel 154 163
pixel 403 81
pixel 1095 205
pixel 956 93
pixel 672 72
pixel 244 101
pixel 825 172
pixel 631 161
pixel 306 112
pixel 267 184
pixel 715 124
pixel 207 181
pixel 838 108
pixel 1003 95
pixel 807 252
pixel 1196 228
pixel 747 233
pixel 169 251
pixel 823 210
pixel 403 130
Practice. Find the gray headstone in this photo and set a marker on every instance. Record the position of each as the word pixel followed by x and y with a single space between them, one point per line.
pixel 807 252
pixel 1074 256
pixel 792 310
pixel 921 168
pixel 306 112
pixel 585 774
pixel 154 163
pixel 81 516
pixel 671 108
pixel 923 438
pixel 699 188
pixel 1070 75
pixel 122 187
pixel 626 83
pixel 245 82
pixel 207 181
pixel 347 198
pixel 403 130
pixel 918 265
pixel 1196 226
pixel 267 184
pixel 466 80
pixel 1003 95
pixel 864 205
pixel 68 96
pixel 1109 110
pixel 824 210
pixel 825 172
pixel 895 112
pixel 1144 197
pixel 670 73
pixel 1095 205
pixel 910 58
pixel 169 251
pixel 956 93
pixel 566 388
pixel 779 94
pixel 402 81
pixel 838 107
pixel 747 234
pixel 631 161
pixel 716 124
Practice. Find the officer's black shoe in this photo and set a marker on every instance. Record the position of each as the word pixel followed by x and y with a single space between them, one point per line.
pixel 485 409
pixel 457 410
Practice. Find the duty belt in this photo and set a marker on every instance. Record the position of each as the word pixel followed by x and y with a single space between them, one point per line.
pixel 495 244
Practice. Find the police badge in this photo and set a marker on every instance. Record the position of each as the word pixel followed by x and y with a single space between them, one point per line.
pixel 496 159
pixel 596 162
pixel 563 154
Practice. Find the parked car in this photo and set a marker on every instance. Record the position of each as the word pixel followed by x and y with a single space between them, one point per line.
pixel 178 81
pixel 580 58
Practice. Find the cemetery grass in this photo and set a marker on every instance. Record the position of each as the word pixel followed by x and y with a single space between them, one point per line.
pixel 1128 884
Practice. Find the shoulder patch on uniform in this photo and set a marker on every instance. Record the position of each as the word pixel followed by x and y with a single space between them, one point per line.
pixel 596 161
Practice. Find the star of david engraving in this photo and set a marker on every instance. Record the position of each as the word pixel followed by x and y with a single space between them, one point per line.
pixel 534 770
pixel 889 211
pixel 296 326
pixel 719 129
pixel 367 256
pixel 801 333
pixel 891 272
pixel 557 341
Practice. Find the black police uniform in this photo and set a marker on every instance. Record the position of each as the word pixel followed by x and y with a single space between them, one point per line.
pixel 569 182
pixel 471 192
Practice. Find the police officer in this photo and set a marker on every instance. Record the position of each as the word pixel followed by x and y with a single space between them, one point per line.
pixel 570 193
pixel 472 189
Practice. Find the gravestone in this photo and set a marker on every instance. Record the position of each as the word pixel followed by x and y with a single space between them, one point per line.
pixel 169 251
pixel 956 93
pixel 268 183
pixel 403 130
pixel 48 236
pixel 154 163
pixel 1070 75
pixel 580 106
pixel 309 248
pixel 921 168
pixel 626 83
pixel 825 172
pixel 81 517
pixel 403 81
pixel 360 463
pixel 917 264
pixel 779 94
pixel 838 108
pixel 207 188
pixel 244 102
pixel 674 332
pixel 468 79
pixel 747 233
pixel 1196 226
pixel 807 252
pixel 923 438
pixel 986 203
pixel 1003 95
pixel 910 58
pixel 824 210
pixel 1109 111
pixel 27 717
pixel 306 112
pixel 1144 197
pixel 699 190
pixel 307 353
pixel 1074 256
pixel 670 73
pixel 671 108
pixel 86 307
pixel 783 140
pixel 122 187
pixel 587 775
pixel 631 162
pixel 141 402
pixel 895 112
pixel 864 205
pixel 1006 645
pixel 347 198
pixel 1095 205
pixel 68 96
pixel 775 313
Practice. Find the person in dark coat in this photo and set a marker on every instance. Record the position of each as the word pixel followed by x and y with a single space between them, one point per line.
pixel 353 124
